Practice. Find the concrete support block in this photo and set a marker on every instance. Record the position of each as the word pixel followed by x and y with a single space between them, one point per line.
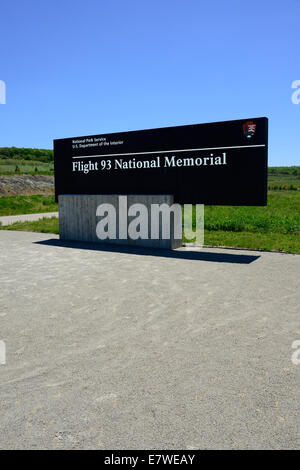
pixel 78 219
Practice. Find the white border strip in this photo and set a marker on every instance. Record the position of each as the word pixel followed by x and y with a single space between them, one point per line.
pixel 171 151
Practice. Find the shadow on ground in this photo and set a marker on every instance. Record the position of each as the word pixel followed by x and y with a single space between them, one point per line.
pixel 176 254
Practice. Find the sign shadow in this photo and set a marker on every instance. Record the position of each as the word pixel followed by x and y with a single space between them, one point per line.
pixel 184 254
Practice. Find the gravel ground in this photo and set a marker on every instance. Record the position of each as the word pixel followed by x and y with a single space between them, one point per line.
pixel 136 349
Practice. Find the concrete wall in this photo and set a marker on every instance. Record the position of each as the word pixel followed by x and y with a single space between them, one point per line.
pixel 78 219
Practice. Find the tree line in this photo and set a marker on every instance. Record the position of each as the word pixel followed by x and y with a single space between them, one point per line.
pixel 15 153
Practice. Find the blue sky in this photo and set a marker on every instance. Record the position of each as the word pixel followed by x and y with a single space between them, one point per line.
pixel 75 68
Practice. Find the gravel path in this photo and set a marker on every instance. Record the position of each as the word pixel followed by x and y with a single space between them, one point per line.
pixel 110 348
pixel 11 219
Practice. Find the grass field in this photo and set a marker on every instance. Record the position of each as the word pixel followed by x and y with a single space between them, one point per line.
pixel 45 225
pixel 274 227
pixel 281 215
pixel 14 205
pixel 254 241
pixel 15 160
pixel 15 167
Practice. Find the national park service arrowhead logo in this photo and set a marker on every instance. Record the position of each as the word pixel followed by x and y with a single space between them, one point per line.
pixel 249 129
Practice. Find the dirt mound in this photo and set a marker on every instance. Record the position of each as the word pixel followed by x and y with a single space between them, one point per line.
pixel 16 185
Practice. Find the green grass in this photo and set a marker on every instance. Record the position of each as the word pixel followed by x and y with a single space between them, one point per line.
pixel 284 178
pixel 283 182
pixel 249 240
pixel 45 225
pixel 281 215
pixel 274 227
pixel 15 160
pixel 254 241
pixel 9 167
pixel 14 205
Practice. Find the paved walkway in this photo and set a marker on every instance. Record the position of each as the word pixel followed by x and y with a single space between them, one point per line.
pixel 11 219
pixel 114 348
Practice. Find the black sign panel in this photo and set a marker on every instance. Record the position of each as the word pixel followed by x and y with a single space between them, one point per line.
pixel 216 163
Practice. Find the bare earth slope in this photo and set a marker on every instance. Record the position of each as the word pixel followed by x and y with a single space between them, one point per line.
pixel 14 185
